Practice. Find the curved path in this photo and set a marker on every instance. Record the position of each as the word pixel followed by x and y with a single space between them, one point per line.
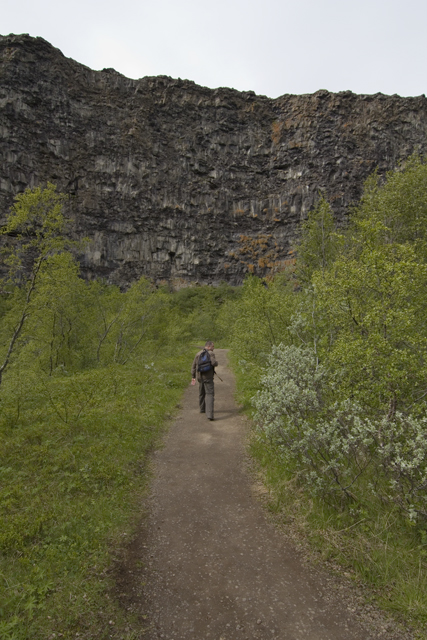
pixel 215 566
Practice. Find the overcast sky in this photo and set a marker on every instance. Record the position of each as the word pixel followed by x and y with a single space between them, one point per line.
pixel 271 47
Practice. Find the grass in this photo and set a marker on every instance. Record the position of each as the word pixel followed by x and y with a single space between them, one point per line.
pixel 374 543
pixel 72 473
pixel 380 547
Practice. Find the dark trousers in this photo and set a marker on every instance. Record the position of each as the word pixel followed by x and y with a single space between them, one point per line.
pixel 206 397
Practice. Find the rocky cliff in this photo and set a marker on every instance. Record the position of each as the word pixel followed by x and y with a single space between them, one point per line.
pixel 180 182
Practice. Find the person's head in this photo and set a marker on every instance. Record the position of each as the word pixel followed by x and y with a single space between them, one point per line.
pixel 209 345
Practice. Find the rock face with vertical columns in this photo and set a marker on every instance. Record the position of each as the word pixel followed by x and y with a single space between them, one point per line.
pixel 184 183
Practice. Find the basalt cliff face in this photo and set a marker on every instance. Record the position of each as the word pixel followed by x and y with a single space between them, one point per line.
pixel 179 182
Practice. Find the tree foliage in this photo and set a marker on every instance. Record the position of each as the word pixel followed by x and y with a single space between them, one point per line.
pixel 35 229
pixel 256 322
pixel 319 242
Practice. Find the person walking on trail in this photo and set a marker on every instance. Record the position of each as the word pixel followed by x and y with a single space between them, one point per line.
pixel 204 367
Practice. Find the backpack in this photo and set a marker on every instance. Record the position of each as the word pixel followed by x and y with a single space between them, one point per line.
pixel 204 364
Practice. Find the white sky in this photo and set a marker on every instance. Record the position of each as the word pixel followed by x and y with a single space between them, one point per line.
pixel 269 46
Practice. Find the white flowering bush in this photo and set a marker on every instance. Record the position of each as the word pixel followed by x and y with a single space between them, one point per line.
pixel 403 453
pixel 314 435
pixel 334 447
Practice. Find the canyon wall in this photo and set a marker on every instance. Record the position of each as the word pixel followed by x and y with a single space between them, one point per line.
pixel 180 182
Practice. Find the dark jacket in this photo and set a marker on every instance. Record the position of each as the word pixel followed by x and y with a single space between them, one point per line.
pixel 207 375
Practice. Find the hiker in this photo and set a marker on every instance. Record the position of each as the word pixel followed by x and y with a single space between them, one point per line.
pixel 205 378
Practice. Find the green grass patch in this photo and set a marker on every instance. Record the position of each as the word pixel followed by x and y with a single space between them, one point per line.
pixel 72 472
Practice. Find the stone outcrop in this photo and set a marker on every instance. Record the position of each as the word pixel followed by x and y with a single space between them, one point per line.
pixel 176 181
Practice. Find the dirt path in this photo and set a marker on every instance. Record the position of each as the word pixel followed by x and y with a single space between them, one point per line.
pixel 215 566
